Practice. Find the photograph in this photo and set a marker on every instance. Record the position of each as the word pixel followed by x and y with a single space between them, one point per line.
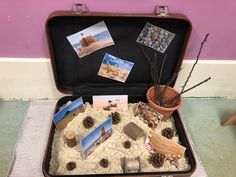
pixel 115 68
pixel 148 115
pixel 110 102
pixel 78 103
pixel 91 39
pixel 96 137
pixel 155 37
pixel 63 116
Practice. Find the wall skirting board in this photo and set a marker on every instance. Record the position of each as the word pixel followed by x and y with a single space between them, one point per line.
pixel 29 79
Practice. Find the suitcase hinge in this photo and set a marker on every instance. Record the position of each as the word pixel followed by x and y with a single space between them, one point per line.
pixel 78 8
pixel 162 11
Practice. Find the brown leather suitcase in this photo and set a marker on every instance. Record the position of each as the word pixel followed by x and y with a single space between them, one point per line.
pixel 78 77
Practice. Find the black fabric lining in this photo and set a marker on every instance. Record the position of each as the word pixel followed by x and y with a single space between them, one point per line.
pixel 80 74
pixel 131 89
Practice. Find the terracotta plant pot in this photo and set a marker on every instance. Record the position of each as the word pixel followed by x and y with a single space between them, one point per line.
pixel 169 93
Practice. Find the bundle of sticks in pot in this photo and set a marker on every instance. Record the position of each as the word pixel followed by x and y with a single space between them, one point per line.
pixel 163 98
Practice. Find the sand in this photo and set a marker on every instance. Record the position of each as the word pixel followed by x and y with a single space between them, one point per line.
pixel 112 149
pixel 95 46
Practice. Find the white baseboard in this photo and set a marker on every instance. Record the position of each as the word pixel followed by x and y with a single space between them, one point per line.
pixel 28 79
pixel 222 83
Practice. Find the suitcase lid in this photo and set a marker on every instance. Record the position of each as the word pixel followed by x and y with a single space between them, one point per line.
pixel 78 76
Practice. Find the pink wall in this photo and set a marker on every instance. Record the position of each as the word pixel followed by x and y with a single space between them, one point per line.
pixel 22 23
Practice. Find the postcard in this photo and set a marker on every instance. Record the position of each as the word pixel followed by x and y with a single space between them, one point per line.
pixel 158 143
pixel 110 102
pixel 96 137
pixel 115 68
pixel 155 37
pixel 148 115
pixel 66 114
pixel 91 39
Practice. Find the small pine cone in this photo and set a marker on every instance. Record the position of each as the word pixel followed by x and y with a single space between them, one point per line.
pixel 151 124
pixel 115 117
pixel 168 133
pixel 104 163
pixel 70 166
pixel 88 122
pixel 127 144
pixel 157 160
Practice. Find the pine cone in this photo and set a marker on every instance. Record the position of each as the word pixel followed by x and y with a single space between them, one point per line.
pixel 88 122
pixel 151 124
pixel 127 144
pixel 115 117
pixel 104 163
pixel 70 166
pixel 157 160
pixel 168 133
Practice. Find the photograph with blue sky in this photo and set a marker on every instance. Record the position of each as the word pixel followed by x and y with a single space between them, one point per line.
pixel 91 39
pixel 68 109
pixel 115 68
pixel 93 137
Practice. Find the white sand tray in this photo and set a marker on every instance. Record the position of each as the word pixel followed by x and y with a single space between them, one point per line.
pixel 30 148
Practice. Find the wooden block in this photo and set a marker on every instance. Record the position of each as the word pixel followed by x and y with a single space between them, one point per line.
pixel 165 146
pixel 231 120
pixel 133 131
pixel 70 139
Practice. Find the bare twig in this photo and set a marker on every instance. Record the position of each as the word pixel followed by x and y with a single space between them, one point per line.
pixel 145 54
pixel 155 69
pixel 154 72
pixel 196 85
pixel 199 52
pixel 177 96
pixel 157 85
pixel 168 84
pixel 162 65
pixel 159 80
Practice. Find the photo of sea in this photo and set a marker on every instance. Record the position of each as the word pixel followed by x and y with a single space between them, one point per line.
pixel 78 103
pixel 91 39
pixel 96 137
pixel 115 68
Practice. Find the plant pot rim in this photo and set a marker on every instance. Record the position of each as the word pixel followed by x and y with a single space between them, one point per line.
pixel 161 107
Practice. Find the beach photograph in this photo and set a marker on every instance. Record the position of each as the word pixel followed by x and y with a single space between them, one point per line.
pixel 96 137
pixel 73 106
pixel 115 68
pixel 91 39
pixel 110 102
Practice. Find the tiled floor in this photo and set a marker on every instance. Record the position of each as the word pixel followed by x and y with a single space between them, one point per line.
pixel 215 144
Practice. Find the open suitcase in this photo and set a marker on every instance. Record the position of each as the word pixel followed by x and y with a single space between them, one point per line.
pixel 78 77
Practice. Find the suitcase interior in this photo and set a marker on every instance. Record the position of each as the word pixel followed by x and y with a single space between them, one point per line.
pixel 78 77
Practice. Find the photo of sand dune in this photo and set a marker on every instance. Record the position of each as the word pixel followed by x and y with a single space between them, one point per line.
pixel 110 102
pixel 91 39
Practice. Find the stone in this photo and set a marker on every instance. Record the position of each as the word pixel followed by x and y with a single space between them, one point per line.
pixel 161 36
pixel 133 131
pixel 154 36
